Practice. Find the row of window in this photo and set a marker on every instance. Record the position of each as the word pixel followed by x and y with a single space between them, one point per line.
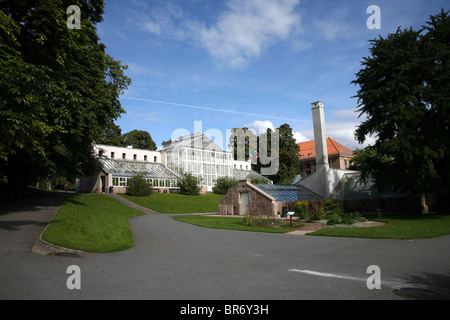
pixel 157 183
pixel 124 156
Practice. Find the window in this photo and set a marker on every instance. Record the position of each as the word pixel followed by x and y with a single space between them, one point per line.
pixel 124 155
pixel 145 158
pixel 155 158
pixel 115 181
pixel 134 156
pixel 122 182
pixel 112 155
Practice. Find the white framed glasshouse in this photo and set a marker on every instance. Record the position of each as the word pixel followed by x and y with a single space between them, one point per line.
pixel 119 171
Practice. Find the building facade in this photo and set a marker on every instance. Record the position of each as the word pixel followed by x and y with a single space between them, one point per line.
pixel 339 156
pixel 198 155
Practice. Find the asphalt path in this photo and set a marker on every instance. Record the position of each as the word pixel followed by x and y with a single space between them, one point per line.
pixel 172 260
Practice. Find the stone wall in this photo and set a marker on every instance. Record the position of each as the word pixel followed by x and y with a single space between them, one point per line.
pixel 258 201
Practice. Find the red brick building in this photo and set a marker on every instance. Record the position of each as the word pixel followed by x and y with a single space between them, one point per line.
pixel 338 156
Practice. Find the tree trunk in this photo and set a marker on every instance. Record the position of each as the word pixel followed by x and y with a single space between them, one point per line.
pixel 424 203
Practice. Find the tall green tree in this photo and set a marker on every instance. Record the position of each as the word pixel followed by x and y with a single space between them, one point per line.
pixel 139 139
pixel 59 90
pixel 405 95
pixel 289 163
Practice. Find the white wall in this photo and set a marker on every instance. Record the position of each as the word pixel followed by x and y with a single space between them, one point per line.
pixel 130 153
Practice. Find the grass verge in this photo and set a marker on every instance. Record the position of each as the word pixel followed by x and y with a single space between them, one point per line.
pixel 92 223
pixel 230 223
pixel 402 226
pixel 178 203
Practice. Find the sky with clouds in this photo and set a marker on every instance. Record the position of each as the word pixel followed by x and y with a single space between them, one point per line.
pixel 255 63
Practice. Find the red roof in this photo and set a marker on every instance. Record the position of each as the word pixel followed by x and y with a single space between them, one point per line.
pixel 308 149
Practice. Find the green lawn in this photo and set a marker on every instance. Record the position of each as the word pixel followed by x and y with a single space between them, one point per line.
pixel 231 223
pixel 405 226
pixel 178 203
pixel 402 226
pixel 92 223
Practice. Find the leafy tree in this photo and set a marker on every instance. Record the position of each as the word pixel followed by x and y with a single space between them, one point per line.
pixel 138 186
pixel 405 94
pixel 289 163
pixel 58 89
pixel 139 139
pixel 243 143
pixel 189 184
pixel 224 184
pixel 112 136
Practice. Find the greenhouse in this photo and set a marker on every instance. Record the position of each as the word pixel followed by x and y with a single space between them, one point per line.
pixel 158 175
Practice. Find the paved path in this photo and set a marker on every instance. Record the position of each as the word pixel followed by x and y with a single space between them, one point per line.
pixel 174 260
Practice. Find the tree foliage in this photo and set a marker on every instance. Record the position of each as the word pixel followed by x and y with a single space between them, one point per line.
pixel 287 155
pixel 405 95
pixel 137 186
pixel 189 184
pixel 137 138
pixel 224 184
pixel 59 90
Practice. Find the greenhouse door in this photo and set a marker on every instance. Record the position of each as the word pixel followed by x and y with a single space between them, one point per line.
pixel 244 203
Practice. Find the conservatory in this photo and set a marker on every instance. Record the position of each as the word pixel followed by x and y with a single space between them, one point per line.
pixel 114 176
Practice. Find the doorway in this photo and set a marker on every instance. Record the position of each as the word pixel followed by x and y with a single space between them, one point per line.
pixel 244 203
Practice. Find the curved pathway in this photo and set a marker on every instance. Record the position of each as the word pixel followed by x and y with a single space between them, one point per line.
pixel 173 260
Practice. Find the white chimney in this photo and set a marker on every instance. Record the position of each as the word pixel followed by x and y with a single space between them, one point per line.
pixel 320 141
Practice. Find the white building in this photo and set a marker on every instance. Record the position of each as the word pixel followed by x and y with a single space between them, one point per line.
pixel 126 153
pixel 193 153
pixel 197 154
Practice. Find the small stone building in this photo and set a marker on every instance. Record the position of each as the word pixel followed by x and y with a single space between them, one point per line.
pixel 264 199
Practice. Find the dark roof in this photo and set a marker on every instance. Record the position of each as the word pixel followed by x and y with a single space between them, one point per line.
pixel 124 168
pixel 289 193
pixel 352 186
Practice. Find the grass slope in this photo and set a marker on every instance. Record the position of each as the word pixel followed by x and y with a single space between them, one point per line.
pixel 178 203
pixel 92 223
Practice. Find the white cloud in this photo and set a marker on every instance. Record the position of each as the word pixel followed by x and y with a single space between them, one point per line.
pixel 260 126
pixel 299 137
pixel 247 28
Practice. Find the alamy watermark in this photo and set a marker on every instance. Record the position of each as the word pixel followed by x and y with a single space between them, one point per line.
pixel 245 144
pixel 74 280
pixel 74 20
pixel 374 21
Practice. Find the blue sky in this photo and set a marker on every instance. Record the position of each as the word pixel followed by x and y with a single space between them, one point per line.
pixel 255 63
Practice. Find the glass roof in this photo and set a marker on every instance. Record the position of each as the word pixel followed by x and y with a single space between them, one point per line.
pixel 124 168
pixel 248 174
pixel 352 186
pixel 289 193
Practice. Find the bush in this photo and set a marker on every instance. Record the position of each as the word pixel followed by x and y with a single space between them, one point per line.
pixel 301 209
pixel 316 210
pixel 189 184
pixel 138 186
pixel 224 184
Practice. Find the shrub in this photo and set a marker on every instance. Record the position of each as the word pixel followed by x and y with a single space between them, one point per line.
pixel 138 186
pixel 316 210
pixel 301 209
pixel 189 184
pixel 224 184
pixel 331 206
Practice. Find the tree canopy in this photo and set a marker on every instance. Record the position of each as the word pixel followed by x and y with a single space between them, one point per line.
pixel 59 89
pixel 286 154
pixel 136 138
pixel 405 95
